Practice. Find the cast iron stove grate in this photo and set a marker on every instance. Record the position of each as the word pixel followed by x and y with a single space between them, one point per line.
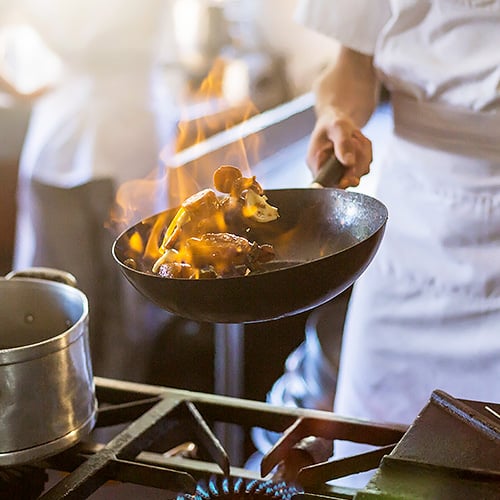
pixel 154 419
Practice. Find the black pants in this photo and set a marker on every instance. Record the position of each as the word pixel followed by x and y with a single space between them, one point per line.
pixel 71 233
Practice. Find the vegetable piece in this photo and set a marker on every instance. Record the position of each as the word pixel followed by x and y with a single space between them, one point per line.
pixel 196 243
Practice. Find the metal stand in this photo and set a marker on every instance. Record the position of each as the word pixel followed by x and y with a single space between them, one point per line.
pixel 229 362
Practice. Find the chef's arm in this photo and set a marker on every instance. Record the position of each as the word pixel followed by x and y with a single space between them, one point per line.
pixel 346 95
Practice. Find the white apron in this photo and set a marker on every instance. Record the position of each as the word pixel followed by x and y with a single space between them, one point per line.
pixel 426 313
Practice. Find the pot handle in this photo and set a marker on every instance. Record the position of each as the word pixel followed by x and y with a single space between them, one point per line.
pixel 44 273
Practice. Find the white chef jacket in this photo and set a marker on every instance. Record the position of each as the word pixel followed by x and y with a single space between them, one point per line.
pixel 426 313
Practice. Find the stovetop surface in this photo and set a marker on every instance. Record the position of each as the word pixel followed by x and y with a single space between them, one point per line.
pixel 173 441
pixel 141 428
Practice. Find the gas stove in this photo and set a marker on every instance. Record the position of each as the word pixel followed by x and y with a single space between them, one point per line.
pixel 169 439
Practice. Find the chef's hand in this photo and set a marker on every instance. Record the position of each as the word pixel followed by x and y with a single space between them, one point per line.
pixel 335 132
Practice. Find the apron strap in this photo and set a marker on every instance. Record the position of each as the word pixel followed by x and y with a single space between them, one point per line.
pixel 440 126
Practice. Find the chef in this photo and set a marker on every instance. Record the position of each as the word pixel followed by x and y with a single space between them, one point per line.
pixel 94 126
pixel 426 313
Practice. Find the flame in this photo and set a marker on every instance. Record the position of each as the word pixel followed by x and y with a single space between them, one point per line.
pixel 136 243
pixel 212 108
pixel 135 199
pixel 217 111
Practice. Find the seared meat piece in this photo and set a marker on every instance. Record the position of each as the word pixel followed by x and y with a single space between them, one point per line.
pixel 197 236
pixel 202 204
pixel 200 207
pixel 226 253
pixel 214 255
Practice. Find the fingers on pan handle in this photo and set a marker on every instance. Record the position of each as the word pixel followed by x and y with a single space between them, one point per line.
pixel 330 173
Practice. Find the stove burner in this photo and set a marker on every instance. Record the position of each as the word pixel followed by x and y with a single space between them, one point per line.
pixel 240 488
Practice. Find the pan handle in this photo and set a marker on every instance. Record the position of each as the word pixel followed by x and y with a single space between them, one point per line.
pixel 329 174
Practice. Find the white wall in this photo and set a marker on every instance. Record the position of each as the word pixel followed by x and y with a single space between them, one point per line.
pixel 275 28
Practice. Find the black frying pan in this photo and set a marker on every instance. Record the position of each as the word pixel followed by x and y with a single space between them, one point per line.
pixel 324 239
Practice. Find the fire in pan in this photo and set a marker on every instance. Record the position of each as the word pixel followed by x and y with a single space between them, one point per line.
pixel 323 240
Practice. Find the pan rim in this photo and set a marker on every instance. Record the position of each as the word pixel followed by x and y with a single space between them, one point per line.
pixel 383 218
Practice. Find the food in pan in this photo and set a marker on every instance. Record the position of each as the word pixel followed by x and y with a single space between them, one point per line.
pixel 199 243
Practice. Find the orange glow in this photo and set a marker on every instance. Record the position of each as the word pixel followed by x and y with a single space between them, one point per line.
pixel 204 237
pixel 205 113
pixel 135 200
pixel 216 112
pixel 136 243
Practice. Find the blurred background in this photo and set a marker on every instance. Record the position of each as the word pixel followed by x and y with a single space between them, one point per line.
pixel 216 63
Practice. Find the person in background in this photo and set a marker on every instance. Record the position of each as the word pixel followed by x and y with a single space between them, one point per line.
pixel 91 67
pixel 425 313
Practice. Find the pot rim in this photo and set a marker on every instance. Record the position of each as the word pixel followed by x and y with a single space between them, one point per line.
pixel 55 343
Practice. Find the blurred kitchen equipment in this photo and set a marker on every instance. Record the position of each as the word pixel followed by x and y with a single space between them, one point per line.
pixel 47 400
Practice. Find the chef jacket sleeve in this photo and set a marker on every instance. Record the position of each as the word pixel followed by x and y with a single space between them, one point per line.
pixel 353 23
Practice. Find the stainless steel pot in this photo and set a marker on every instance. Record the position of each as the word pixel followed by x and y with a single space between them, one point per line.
pixel 47 394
